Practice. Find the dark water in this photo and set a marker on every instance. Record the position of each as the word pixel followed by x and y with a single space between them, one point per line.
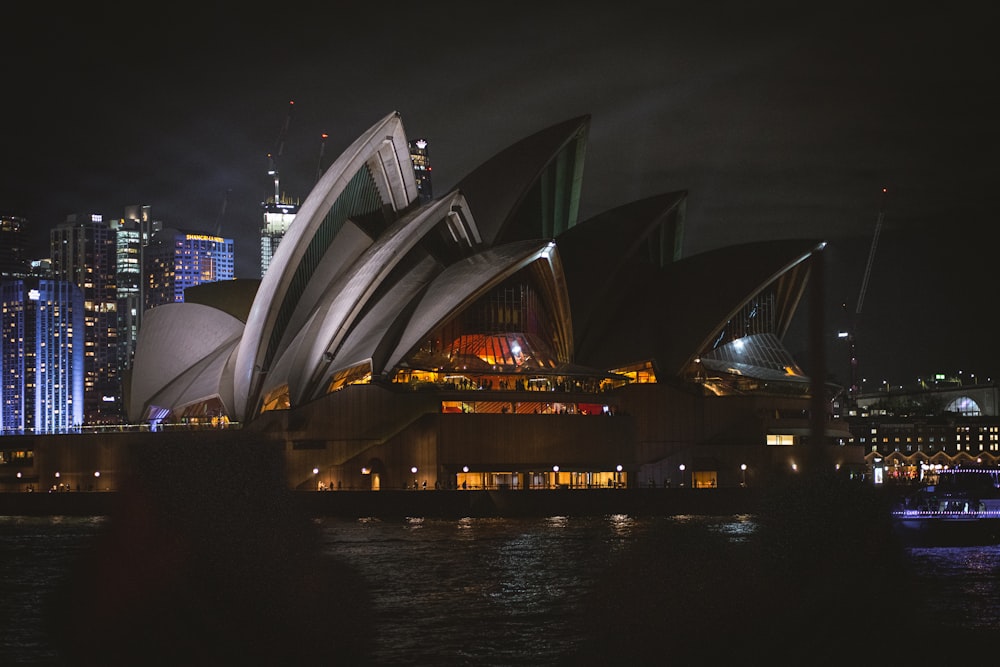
pixel 545 591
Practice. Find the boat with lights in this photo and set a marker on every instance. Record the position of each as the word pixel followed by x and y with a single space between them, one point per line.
pixel 961 507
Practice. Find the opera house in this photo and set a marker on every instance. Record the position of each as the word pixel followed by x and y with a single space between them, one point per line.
pixel 488 338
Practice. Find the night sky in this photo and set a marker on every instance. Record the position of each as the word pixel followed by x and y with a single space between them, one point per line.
pixel 781 122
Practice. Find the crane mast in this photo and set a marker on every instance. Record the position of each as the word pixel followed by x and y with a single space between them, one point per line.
pixel 274 157
pixel 322 149
pixel 855 387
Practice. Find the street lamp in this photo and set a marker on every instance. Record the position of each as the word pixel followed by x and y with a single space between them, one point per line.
pixel 682 467
pixel 743 469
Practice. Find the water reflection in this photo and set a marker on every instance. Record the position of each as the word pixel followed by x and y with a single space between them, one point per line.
pixel 618 589
pixel 739 529
pixel 621 524
pixel 960 586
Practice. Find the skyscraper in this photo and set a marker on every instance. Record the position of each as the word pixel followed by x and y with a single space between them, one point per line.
pixel 132 234
pixel 13 233
pixel 176 260
pixel 279 209
pixel 83 253
pixel 278 215
pixel 421 168
pixel 41 356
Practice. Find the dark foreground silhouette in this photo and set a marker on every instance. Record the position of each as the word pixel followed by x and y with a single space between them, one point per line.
pixel 824 581
pixel 205 561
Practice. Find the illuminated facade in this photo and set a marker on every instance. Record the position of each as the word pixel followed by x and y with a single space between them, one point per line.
pixel 41 356
pixel 83 252
pixel 909 431
pixel 489 338
pixel 420 157
pixel 277 218
pixel 177 260
pixel 132 234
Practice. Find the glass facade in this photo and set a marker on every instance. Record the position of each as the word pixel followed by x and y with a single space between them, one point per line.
pixel 83 252
pixel 178 260
pixel 508 330
pixel 277 219
pixel 132 235
pixel 41 356
pixel 420 158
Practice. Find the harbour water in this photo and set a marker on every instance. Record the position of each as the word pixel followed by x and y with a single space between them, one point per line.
pixel 611 589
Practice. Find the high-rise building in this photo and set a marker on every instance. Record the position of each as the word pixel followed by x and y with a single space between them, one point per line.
pixel 176 260
pixel 41 356
pixel 132 234
pixel 279 209
pixel 278 215
pixel 83 252
pixel 421 168
pixel 13 240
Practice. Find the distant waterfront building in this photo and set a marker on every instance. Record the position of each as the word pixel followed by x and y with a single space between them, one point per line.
pixel 41 356
pixel 13 240
pixel 278 215
pixel 177 259
pixel 420 158
pixel 132 234
pixel 906 432
pixel 83 252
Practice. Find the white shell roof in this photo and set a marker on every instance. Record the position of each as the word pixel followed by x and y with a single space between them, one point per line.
pixel 177 338
pixel 383 148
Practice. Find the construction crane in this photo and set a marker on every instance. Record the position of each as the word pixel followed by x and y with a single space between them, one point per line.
pixel 222 212
pixel 322 149
pixel 274 157
pixel 851 335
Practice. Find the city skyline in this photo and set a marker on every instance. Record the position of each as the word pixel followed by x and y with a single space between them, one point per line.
pixel 780 124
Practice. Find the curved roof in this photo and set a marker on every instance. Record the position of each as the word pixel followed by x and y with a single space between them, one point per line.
pixel 710 288
pixel 366 272
pixel 342 302
pixel 231 296
pixel 605 251
pixel 201 383
pixel 671 315
pixel 467 280
pixel 175 339
pixel 498 189
pixel 377 164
